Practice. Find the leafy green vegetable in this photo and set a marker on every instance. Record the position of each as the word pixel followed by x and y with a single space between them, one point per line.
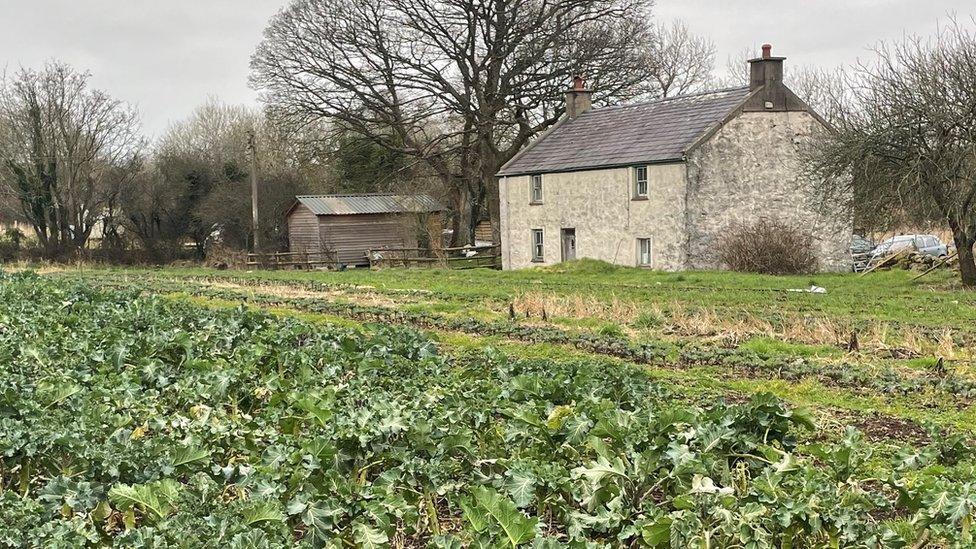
pixel 155 499
pixel 264 511
pixel 132 420
pixel 517 527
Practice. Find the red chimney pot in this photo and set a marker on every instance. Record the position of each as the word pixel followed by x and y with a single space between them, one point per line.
pixel 578 98
pixel 767 51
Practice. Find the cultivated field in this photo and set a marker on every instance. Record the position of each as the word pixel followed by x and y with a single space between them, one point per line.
pixel 455 408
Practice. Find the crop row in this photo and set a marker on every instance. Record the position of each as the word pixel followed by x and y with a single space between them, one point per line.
pixel 741 362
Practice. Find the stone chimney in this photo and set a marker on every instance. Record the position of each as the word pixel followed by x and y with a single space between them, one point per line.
pixel 766 73
pixel 766 69
pixel 579 99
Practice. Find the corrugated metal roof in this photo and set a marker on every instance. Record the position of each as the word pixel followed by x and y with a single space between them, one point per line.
pixel 353 204
pixel 659 131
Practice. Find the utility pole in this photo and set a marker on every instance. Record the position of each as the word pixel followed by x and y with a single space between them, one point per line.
pixel 252 145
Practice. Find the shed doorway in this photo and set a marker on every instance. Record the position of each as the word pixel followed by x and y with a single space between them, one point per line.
pixel 569 244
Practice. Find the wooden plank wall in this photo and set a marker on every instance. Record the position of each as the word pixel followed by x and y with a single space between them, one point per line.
pixel 482 231
pixel 303 231
pixel 351 235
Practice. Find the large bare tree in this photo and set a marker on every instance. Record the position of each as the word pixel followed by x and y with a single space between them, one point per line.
pixel 66 151
pixel 682 62
pixel 461 85
pixel 907 136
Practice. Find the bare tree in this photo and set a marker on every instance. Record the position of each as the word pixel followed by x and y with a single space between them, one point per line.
pixel 682 62
pixel 151 208
pixel 908 136
pixel 461 85
pixel 824 90
pixel 66 150
pixel 198 185
pixel 736 70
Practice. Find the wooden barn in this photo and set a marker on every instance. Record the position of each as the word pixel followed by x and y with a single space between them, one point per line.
pixel 348 225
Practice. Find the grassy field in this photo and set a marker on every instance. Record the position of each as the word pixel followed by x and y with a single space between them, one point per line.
pixel 707 334
pixel 592 291
pixel 880 369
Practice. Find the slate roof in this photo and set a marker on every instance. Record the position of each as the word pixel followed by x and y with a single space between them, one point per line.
pixel 658 131
pixel 354 204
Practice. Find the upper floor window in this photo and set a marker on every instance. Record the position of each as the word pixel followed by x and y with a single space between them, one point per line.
pixel 640 182
pixel 538 245
pixel 536 196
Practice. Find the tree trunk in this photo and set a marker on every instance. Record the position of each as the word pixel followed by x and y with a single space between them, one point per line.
pixel 967 263
pixel 459 220
pixel 477 206
pixel 489 188
pixel 467 218
pixel 455 228
pixel 494 210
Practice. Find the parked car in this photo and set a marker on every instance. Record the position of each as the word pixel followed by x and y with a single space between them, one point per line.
pixel 861 250
pixel 923 243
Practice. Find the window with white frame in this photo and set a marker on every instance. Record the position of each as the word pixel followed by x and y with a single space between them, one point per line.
pixel 536 196
pixel 645 252
pixel 640 182
pixel 538 245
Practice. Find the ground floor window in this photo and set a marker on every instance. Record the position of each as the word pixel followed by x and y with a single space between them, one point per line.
pixel 538 247
pixel 645 252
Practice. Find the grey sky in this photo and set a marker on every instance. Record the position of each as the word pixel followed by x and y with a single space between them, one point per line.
pixel 169 56
pixel 165 56
pixel 811 32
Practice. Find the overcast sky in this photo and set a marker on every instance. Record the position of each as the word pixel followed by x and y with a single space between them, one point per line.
pixel 168 56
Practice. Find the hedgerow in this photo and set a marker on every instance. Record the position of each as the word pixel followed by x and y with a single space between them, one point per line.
pixel 138 421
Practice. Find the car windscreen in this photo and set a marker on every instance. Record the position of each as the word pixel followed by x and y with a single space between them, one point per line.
pixel 893 244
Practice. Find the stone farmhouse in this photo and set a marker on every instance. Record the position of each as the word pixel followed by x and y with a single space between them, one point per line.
pixel 657 184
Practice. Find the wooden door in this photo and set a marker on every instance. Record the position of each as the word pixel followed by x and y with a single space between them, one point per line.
pixel 569 244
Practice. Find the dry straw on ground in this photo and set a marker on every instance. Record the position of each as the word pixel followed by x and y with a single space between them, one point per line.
pixel 682 320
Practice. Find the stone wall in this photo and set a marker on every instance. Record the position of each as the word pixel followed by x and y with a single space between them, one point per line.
pixel 599 205
pixel 752 168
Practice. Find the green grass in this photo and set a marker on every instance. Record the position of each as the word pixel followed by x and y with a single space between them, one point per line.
pixel 887 303
pixel 891 296
pixel 315 318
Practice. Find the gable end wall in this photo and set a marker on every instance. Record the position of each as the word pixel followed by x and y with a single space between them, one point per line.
pixel 752 168
pixel 303 230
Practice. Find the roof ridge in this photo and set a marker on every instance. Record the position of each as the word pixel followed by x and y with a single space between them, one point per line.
pixel 366 203
pixel 353 195
pixel 649 132
pixel 667 99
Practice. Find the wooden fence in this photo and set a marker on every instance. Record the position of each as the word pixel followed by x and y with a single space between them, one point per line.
pixel 284 260
pixel 469 257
